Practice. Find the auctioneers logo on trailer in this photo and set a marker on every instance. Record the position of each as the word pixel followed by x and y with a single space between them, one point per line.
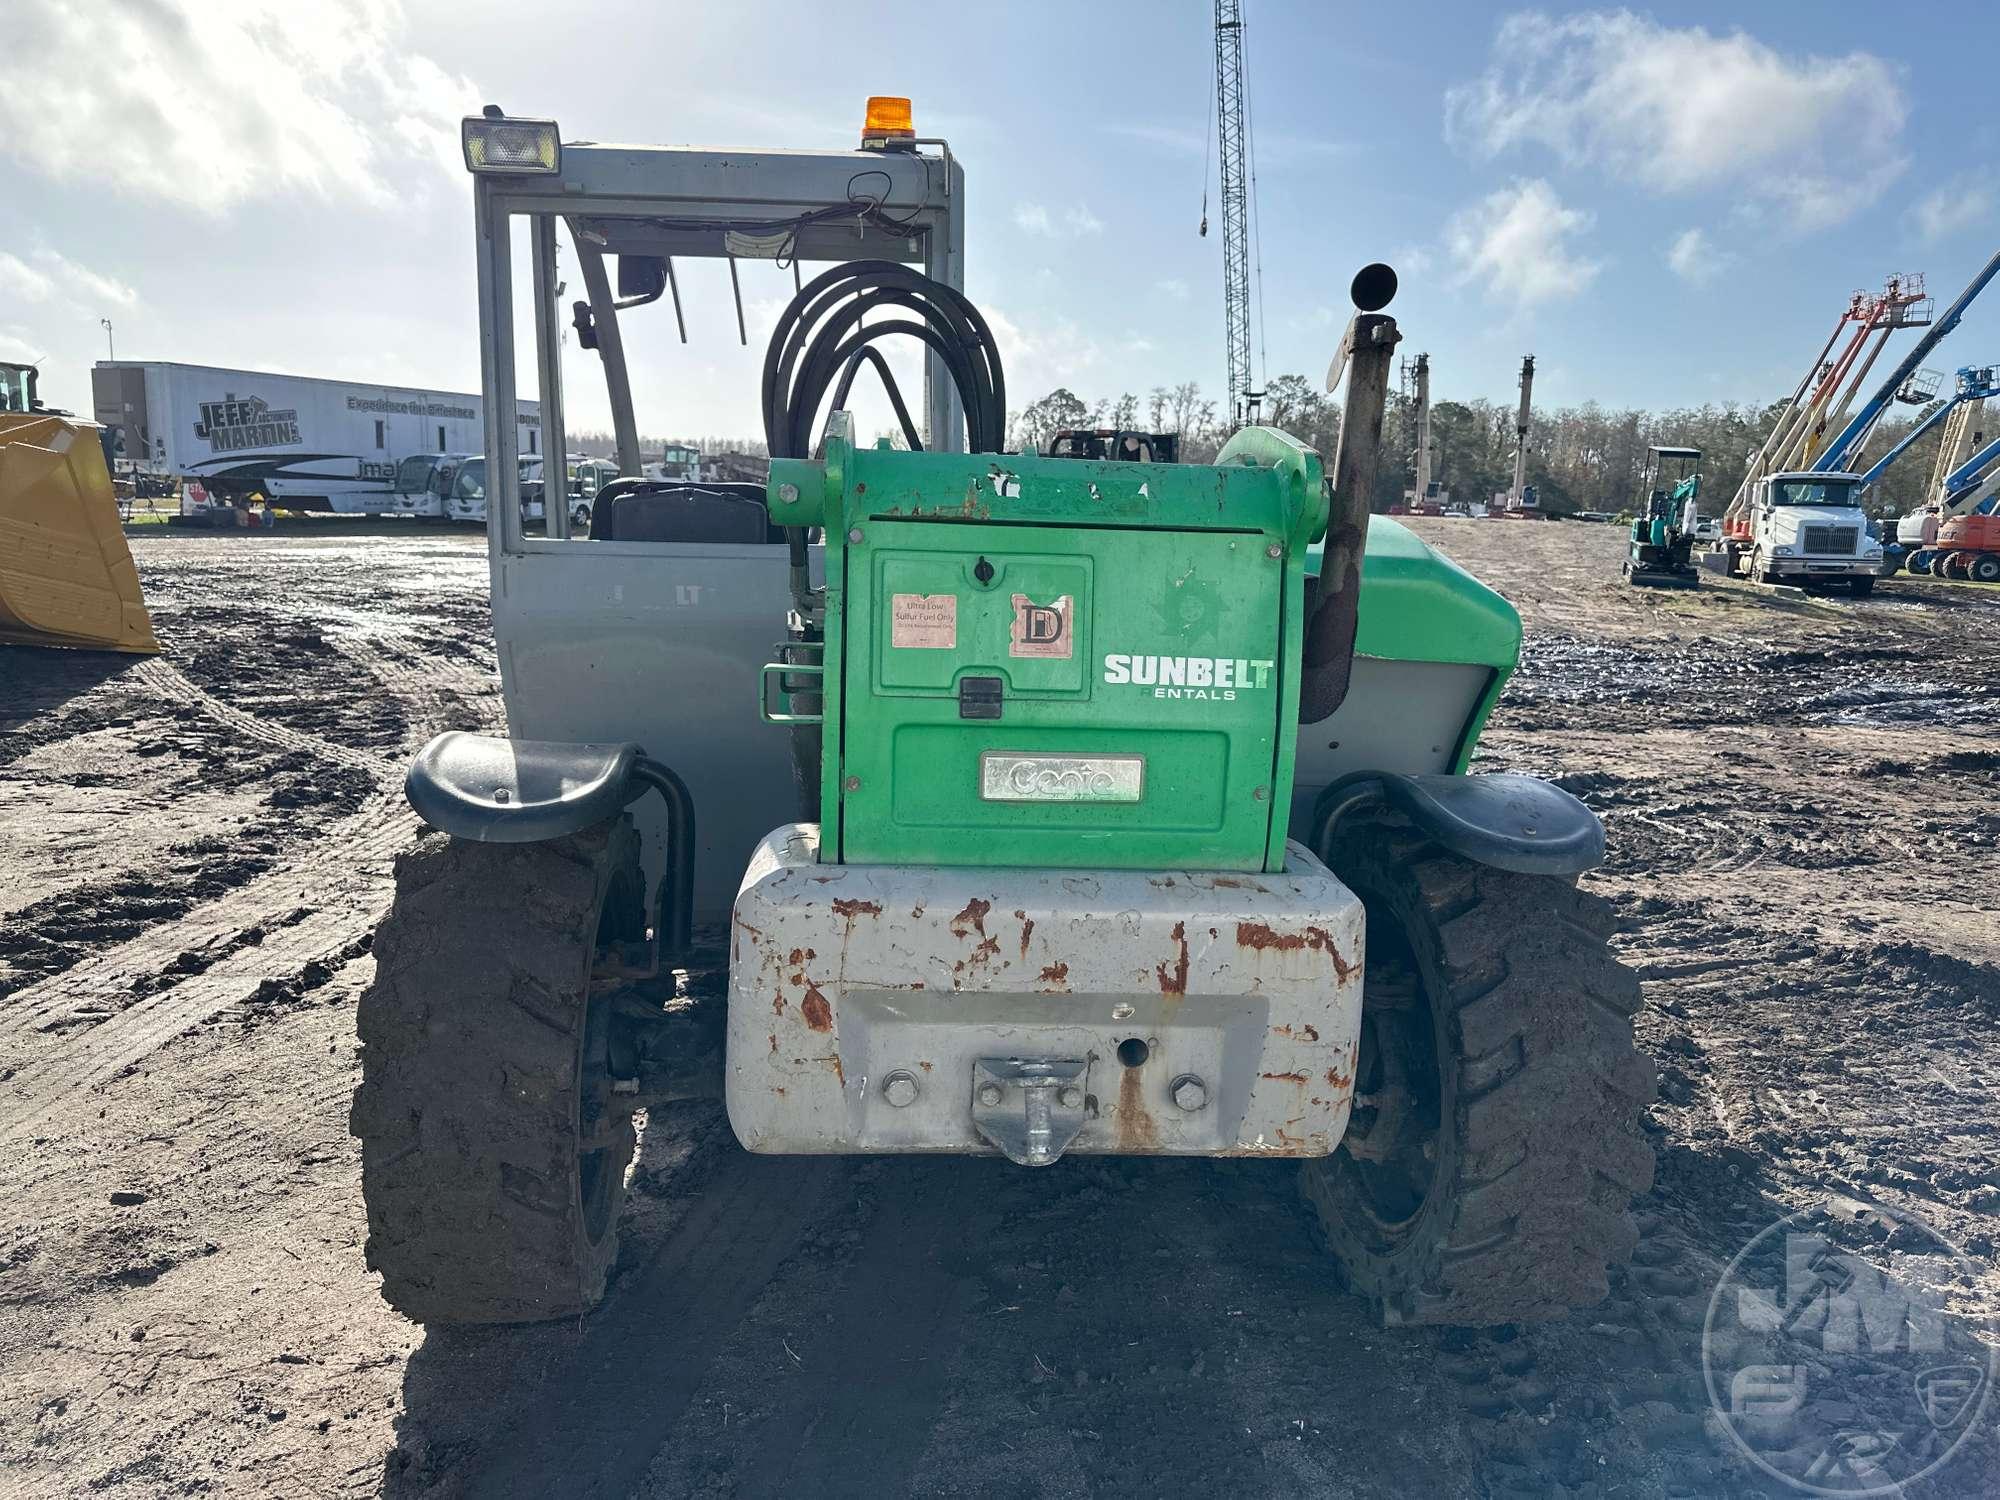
pixel 234 424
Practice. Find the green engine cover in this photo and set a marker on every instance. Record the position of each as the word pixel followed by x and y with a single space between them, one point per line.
pixel 1055 662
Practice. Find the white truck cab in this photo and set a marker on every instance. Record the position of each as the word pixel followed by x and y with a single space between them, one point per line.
pixel 1807 526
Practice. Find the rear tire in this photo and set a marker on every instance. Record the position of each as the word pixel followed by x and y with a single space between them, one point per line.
pixel 1496 1188
pixel 1984 568
pixel 492 1159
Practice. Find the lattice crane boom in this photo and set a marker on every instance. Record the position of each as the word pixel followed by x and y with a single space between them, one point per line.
pixel 1234 162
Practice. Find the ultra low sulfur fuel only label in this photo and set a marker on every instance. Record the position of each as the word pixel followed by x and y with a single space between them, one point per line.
pixel 1212 677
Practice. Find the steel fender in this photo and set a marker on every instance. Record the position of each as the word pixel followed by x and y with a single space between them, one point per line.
pixel 1507 821
pixel 498 791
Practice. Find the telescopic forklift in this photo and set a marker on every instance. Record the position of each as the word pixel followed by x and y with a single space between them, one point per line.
pixel 960 800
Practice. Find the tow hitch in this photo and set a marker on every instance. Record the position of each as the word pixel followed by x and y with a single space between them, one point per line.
pixel 1031 1108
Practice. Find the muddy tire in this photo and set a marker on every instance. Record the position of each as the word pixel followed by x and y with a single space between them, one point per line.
pixel 492 1162
pixel 1861 587
pixel 1984 567
pixel 1496 1141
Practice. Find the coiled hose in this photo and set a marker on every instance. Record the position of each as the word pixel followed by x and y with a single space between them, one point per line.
pixel 821 339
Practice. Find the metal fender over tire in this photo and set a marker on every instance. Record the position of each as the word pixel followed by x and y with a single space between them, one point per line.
pixel 492 1156
pixel 1496 1143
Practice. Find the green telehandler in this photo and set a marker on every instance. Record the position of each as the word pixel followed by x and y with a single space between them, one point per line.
pixel 960 800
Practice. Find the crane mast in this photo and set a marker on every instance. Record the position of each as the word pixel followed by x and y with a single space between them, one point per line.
pixel 1229 106
pixel 1420 377
pixel 1517 493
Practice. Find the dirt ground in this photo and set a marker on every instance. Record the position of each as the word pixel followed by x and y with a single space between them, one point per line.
pixel 1803 802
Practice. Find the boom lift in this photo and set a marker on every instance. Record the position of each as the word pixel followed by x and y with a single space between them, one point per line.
pixel 1130 812
pixel 1966 543
pixel 1807 523
pixel 1959 481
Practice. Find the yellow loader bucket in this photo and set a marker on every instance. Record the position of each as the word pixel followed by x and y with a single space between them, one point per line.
pixel 66 575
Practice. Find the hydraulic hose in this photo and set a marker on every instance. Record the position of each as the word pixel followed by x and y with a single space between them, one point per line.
pixel 821 339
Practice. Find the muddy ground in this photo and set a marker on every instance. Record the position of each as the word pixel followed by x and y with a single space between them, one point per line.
pixel 1803 800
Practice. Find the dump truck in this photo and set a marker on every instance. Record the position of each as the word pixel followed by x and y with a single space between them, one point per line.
pixel 66 575
pixel 966 801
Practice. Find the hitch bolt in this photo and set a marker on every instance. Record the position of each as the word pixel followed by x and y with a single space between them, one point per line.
pixel 900 1089
pixel 1260 794
pixel 788 493
pixel 1071 1097
pixel 989 1094
pixel 1189 1092
pixel 1274 552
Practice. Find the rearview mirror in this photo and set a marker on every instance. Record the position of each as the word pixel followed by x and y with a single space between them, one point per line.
pixel 641 279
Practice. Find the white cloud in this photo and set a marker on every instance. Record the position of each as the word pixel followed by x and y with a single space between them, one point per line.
pixel 1076 220
pixel 1518 244
pixel 209 106
pixel 22 281
pixel 1683 110
pixel 1033 218
pixel 47 277
pixel 1173 287
pixel 1692 258
pixel 1959 204
pixel 1038 358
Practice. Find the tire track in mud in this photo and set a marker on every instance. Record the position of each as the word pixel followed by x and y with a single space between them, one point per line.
pixel 308 918
pixel 920 1262
pixel 435 694
pixel 174 685
pixel 607 1392
pixel 296 923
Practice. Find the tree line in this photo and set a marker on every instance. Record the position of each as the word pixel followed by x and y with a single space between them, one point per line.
pixel 1586 457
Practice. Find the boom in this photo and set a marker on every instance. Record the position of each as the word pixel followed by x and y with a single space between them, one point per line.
pixel 1846 445
pixel 1818 401
pixel 1975 384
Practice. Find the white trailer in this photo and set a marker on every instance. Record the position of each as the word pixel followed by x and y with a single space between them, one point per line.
pixel 296 442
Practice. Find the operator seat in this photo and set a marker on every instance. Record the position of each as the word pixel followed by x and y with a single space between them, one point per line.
pixel 679 510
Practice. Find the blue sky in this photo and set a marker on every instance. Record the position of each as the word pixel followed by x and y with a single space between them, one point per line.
pixel 1666 206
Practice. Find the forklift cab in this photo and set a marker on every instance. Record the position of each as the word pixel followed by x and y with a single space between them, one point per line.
pixel 649 630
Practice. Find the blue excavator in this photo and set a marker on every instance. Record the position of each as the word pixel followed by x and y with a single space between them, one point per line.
pixel 1660 551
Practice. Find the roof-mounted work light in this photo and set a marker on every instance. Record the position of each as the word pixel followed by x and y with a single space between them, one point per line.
pixel 495 143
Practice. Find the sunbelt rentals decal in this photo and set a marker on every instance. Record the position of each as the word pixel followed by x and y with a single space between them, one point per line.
pixel 1214 678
